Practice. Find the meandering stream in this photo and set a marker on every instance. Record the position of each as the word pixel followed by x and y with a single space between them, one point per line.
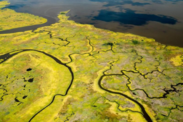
pixel 9 55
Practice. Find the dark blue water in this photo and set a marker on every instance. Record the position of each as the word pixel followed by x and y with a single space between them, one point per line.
pixel 128 16
pixel 159 19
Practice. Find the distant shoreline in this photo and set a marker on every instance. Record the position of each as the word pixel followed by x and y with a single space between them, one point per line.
pixel 32 27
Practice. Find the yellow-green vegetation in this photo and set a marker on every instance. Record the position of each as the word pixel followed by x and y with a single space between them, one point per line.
pixel 75 72
pixel 31 81
pixel 10 19
pixel 177 60
pixel 3 4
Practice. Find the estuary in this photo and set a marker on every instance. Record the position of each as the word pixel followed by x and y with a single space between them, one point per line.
pixel 158 19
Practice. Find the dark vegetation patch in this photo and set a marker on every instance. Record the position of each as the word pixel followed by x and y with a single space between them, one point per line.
pixel 109 43
pixel 135 42
pixel 63 13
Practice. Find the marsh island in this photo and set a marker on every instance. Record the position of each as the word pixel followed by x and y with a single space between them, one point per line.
pixel 78 73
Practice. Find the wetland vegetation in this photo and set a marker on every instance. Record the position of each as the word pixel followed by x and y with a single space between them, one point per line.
pixel 75 72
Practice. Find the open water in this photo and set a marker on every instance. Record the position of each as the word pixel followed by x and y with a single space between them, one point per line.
pixel 158 19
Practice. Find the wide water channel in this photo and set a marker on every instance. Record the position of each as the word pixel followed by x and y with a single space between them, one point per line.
pixel 158 19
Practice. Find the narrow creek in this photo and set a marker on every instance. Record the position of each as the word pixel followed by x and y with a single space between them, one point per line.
pixel 7 56
pixel 32 27
pixel 146 116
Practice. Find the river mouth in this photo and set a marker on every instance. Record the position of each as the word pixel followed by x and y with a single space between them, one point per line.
pixel 161 20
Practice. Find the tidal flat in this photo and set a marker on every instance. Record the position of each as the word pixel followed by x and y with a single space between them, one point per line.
pixel 76 72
